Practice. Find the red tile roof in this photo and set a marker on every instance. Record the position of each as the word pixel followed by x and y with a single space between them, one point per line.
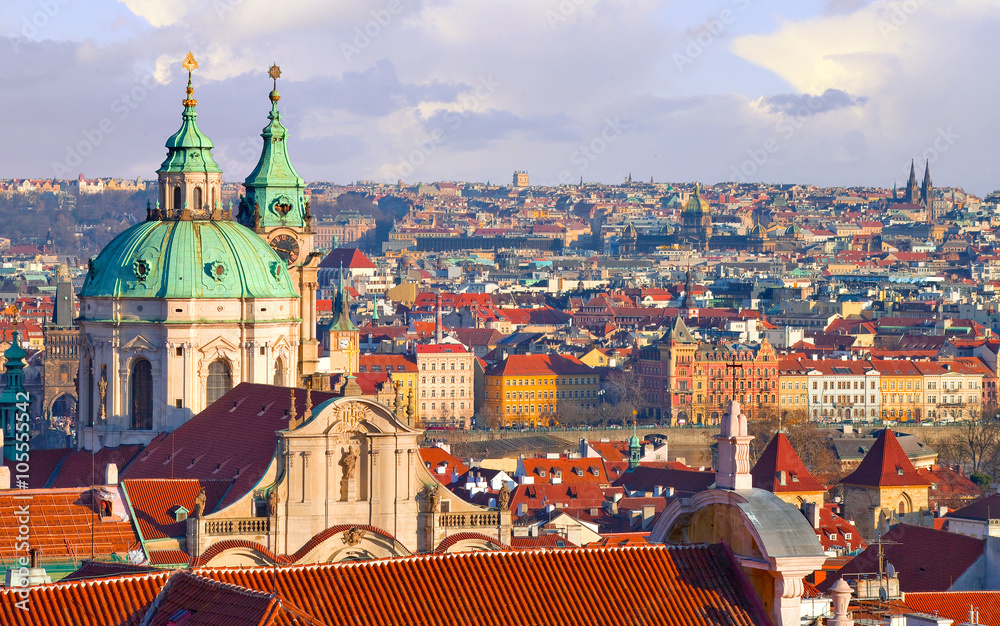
pixel 75 468
pixel 121 601
pixel 673 585
pixel 154 501
pixel 780 460
pixel 539 496
pixel 548 540
pixel 885 465
pixel 567 471
pixel 348 258
pixel 955 605
pixel 196 601
pixel 925 559
pixel 60 521
pixel 435 457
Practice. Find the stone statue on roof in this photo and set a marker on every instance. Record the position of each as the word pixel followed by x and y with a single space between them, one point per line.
pixel 199 504
pixel 433 497
pixel 503 498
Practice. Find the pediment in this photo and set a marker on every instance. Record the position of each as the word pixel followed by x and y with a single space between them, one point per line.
pixel 219 344
pixel 139 344
pixel 353 415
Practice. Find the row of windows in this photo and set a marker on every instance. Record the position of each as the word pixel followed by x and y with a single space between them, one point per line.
pixel 519 382
pixel 434 393
pixel 423 380
pixel 531 409
pixel 434 406
pixel 461 365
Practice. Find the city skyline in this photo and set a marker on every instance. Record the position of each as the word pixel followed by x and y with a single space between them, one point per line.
pixel 839 93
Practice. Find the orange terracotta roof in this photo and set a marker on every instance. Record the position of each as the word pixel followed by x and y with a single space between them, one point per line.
pixel 885 465
pixel 435 457
pixel 60 521
pixel 105 569
pixel 955 605
pixel 655 585
pixel 779 461
pixel 451 540
pixel 122 601
pixel 154 502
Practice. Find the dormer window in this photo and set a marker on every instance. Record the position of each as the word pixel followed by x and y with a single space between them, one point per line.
pixel 180 514
pixel 899 471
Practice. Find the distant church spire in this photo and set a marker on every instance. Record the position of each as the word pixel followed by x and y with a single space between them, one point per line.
pixel 912 193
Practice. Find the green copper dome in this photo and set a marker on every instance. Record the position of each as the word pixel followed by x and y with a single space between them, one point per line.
pixel 188 259
pixel 697 204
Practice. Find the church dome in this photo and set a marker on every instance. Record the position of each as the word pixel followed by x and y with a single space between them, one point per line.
pixel 697 204
pixel 188 259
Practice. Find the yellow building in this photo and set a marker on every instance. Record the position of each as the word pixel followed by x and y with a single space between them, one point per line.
pixel 793 386
pixel 902 389
pixel 535 389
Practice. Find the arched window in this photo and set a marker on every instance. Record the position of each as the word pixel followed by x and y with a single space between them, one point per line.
pixel 215 200
pixel 220 380
pixel 178 204
pixel 279 372
pixel 142 395
pixel 197 197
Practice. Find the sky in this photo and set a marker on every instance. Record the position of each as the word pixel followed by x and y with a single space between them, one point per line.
pixel 823 92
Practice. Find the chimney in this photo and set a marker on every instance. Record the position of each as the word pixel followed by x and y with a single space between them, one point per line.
pixel 111 474
pixel 648 512
pixel 657 491
pixel 4 478
pixel 811 511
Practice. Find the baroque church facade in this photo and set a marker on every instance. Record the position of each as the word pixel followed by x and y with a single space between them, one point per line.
pixel 180 308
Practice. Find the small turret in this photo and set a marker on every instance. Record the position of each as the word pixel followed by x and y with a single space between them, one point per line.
pixel 634 448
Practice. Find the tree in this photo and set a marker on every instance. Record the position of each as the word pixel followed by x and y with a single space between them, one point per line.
pixel 974 442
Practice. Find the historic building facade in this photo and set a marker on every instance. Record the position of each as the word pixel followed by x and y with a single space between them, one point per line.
pixel 179 308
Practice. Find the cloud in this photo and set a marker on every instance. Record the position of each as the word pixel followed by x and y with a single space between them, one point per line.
pixel 804 105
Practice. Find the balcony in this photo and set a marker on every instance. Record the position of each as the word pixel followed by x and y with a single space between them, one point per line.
pixel 238 526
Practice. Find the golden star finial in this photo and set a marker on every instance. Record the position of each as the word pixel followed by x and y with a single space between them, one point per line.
pixel 189 62
pixel 274 72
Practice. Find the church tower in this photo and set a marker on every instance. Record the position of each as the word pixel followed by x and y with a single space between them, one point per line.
pixel 927 193
pixel 342 336
pixel 912 193
pixel 14 399
pixel 697 221
pixel 275 206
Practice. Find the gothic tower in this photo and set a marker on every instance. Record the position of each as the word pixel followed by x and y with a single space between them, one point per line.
pixel 912 193
pixel 342 336
pixel 277 209
pixel 62 353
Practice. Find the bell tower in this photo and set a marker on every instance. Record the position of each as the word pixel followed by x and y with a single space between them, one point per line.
pixel 276 208
pixel 189 179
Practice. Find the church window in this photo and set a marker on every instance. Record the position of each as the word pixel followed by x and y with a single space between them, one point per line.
pixel 142 395
pixel 178 204
pixel 279 372
pixel 197 197
pixel 220 380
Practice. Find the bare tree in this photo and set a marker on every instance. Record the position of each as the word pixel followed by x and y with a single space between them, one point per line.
pixel 974 443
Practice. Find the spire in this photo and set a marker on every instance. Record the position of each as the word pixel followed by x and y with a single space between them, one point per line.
pixel 689 302
pixel 374 308
pixel 341 307
pixel 634 448
pixel 189 149
pixel 274 188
